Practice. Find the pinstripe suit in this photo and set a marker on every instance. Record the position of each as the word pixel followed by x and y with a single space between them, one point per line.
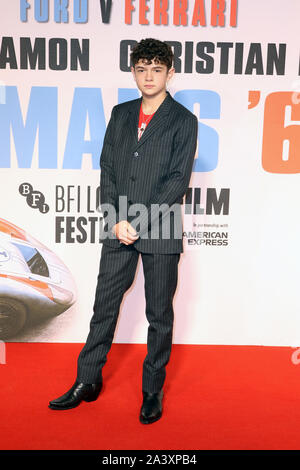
pixel 154 170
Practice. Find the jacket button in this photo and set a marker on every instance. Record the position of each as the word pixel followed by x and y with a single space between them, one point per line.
pixel 136 154
pixel 132 178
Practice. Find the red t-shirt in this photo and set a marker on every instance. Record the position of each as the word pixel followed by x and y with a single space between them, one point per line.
pixel 144 120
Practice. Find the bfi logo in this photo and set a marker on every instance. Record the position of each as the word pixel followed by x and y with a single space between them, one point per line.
pixel 35 199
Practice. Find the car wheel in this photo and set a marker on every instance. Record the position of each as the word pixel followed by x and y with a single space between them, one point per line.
pixel 12 317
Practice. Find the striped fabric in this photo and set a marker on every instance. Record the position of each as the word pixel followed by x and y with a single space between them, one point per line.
pixel 154 170
pixel 116 274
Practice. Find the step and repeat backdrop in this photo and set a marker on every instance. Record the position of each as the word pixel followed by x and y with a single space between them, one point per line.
pixel 63 65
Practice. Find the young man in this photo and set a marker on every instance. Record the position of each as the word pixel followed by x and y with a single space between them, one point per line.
pixel 146 160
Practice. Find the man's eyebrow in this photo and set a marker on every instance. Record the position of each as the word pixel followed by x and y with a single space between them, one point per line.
pixel 154 67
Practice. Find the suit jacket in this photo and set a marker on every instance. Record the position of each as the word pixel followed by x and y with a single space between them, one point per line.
pixel 154 171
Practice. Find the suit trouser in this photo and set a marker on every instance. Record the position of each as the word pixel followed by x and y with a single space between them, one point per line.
pixel 116 274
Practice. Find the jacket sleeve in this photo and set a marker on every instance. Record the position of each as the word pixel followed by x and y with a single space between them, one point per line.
pixel 175 187
pixel 108 190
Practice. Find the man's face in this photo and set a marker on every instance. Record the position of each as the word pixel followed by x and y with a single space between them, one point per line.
pixel 151 79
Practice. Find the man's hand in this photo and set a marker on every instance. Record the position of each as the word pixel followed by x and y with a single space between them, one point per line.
pixel 125 232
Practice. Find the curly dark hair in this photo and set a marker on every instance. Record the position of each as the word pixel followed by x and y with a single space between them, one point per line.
pixel 149 49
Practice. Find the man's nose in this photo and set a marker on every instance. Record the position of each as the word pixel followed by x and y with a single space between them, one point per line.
pixel 148 75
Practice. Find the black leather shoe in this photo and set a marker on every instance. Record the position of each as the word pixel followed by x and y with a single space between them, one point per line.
pixel 74 396
pixel 152 407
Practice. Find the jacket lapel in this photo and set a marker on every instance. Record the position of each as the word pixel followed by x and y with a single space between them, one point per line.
pixel 155 123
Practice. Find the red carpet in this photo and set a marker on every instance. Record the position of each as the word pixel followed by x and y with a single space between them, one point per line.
pixel 216 397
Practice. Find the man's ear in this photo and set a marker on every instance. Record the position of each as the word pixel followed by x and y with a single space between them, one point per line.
pixel 171 73
pixel 133 72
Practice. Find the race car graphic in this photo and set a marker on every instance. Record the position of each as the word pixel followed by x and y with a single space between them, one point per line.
pixel 34 283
